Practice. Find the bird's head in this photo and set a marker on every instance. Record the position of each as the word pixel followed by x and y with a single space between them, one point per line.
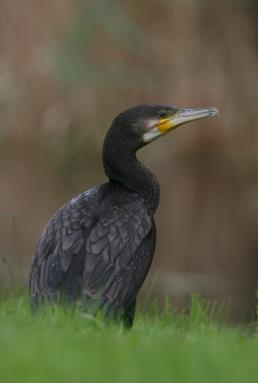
pixel 143 124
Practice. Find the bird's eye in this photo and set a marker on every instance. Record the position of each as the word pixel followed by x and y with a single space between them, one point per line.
pixel 163 113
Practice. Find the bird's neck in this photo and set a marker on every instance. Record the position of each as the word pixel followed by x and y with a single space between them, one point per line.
pixel 122 166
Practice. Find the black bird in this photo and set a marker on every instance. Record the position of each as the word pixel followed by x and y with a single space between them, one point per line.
pixel 97 249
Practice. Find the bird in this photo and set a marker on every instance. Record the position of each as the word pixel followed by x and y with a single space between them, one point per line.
pixel 96 251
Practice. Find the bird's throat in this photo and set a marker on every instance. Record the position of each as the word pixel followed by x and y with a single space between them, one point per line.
pixel 122 166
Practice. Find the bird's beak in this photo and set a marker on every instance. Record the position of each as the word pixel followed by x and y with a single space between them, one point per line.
pixel 181 116
pixel 178 117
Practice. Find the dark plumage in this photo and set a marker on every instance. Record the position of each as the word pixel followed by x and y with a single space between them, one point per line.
pixel 97 249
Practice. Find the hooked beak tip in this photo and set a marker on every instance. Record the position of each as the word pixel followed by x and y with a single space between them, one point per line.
pixel 214 112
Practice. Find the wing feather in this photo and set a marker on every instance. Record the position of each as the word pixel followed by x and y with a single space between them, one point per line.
pixel 88 251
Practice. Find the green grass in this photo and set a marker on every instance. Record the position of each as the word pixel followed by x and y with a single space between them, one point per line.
pixel 58 345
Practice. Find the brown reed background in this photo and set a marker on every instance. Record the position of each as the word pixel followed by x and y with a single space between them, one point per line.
pixel 68 67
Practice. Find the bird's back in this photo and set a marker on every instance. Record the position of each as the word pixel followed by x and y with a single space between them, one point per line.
pixel 96 251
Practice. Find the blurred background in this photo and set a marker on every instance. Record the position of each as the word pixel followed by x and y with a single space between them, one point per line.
pixel 67 67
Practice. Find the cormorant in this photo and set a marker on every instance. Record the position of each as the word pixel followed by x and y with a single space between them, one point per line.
pixel 97 249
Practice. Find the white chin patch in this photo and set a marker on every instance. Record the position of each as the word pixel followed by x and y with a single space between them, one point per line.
pixel 151 135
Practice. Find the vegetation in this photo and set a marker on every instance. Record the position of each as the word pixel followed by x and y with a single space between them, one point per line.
pixel 58 345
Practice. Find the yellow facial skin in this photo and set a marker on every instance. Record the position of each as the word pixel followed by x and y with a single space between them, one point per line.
pixel 165 124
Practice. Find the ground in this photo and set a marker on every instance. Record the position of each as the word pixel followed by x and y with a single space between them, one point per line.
pixel 59 345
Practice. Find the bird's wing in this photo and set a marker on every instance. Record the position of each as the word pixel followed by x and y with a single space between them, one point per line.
pixel 113 268
pixel 60 251
pixel 90 252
